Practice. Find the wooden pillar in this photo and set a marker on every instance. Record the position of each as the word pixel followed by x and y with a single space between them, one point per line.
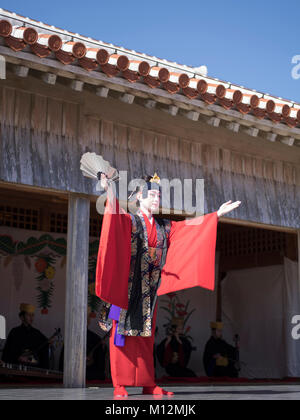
pixel 291 246
pixel 76 292
pixel 298 234
pixel 2 67
pixel 220 276
pixel 219 299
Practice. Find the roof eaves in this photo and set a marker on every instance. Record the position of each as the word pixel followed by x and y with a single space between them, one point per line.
pixel 139 73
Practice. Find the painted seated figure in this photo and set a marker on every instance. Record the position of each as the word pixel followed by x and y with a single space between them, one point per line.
pixel 25 344
pixel 220 358
pixel 174 351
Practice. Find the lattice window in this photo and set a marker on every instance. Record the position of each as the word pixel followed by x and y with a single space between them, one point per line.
pixel 30 218
pixel 251 241
pixel 19 217
pixel 58 222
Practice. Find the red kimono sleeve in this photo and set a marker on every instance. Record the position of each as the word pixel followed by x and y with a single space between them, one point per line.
pixel 190 258
pixel 113 261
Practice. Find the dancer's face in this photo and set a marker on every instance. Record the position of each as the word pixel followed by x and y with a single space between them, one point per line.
pixel 151 203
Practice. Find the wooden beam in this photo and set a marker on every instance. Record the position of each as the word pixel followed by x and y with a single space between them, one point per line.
pixel 127 98
pixel 259 225
pixel 140 118
pixel 49 78
pixel 77 85
pixel 272 136
pixel 287 140
pixel 233 126
pixel 252 131
pixel 21 71
pixel 102 91
pixel 120 84
pixel 76 292
pixel 150 104
pixel 172 110
pixel 214 121
pixel 191 115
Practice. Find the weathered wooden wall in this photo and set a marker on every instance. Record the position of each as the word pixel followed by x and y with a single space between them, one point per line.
pixel 43 137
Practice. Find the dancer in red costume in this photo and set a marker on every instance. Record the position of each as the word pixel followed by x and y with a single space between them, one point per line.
pixel 139 258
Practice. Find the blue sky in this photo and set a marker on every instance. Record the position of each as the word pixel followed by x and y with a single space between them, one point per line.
pixel 250 43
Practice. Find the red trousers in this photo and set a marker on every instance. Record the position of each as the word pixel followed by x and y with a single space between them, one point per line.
pixel 133 364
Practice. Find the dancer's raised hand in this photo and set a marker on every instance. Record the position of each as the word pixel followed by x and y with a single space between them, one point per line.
pixel 227 207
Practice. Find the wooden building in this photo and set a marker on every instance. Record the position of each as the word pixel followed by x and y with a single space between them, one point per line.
pixel 63 94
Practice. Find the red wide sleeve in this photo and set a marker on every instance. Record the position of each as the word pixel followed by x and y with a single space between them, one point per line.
pixel 113 261
pixel 190 259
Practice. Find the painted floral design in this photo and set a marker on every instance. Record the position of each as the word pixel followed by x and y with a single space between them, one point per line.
pixel 40 265
pixel 50 272
pixel 45 278
pixel 177 309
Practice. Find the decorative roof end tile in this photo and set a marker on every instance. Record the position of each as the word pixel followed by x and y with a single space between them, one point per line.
pixel 286 110
pixel 78 49
pixel 30 36
pixel 237 97
pixel 102 56
pixel 202 86
pixel 220 91
pixel 254 101
pixel 144 68
pixel 115 61
pixel 183 80
pixel 163 75
pixel 123 62
pixel 270 106
pixel 5 28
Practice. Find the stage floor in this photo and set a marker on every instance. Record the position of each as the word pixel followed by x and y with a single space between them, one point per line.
pixel 215 392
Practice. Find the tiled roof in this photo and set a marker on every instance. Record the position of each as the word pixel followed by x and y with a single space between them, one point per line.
pixel 23 34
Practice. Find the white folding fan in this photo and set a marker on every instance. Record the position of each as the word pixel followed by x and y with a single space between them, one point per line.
pixel 93 165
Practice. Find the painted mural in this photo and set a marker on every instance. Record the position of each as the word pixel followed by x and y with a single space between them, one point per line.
pixel 44 253
pixel 33 270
